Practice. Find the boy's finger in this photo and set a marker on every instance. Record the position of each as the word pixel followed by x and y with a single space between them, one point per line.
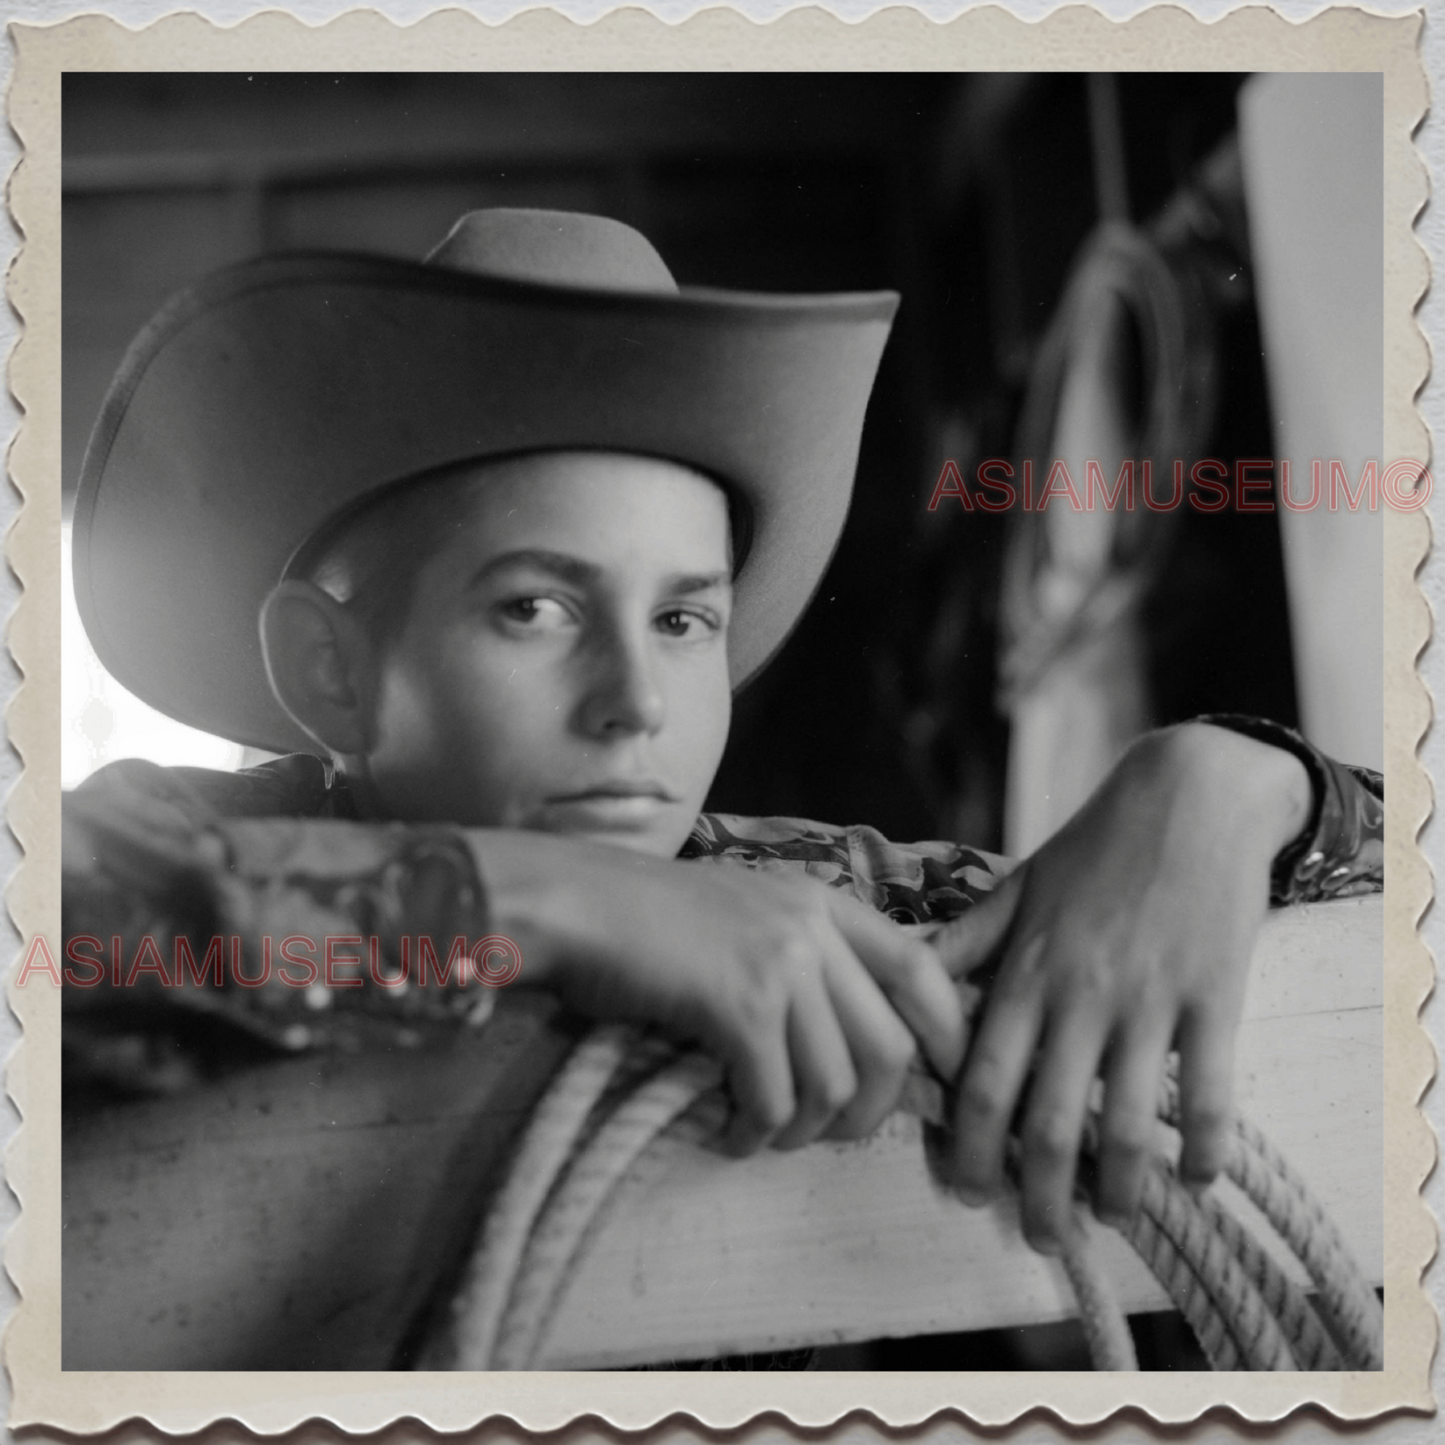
pixel 1053 1124
pixel 911 976
pixel 760 1080
pixel 1206 1094
pixel 880 1043
pixel 825 1080
pixel 993 1075
pixel 974 937
pixel 1129 1127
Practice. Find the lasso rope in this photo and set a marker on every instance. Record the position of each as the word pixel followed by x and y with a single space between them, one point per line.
pixel 552 1250
pixel 1309 1342
pixel 625 1105
pixel 1217 1297
pixel 550 1137
pixel 1349 1307
pixel 1111 1346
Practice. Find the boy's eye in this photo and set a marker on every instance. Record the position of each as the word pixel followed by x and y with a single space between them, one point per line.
pixel 535 613
pixel 685 623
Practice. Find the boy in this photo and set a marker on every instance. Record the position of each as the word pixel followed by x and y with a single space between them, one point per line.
pixel 515 523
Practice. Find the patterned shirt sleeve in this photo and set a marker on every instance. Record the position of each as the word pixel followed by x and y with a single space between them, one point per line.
pixel 186 894
pixel 912 883
pixel 1339 852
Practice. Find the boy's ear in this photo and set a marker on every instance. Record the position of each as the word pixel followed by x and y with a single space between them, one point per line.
pixel 320 663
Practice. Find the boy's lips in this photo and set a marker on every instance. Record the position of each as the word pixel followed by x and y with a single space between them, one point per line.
pixel 621 788
pixel 620 804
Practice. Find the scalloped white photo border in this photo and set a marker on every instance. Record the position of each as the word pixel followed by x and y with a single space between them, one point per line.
pixel 1077 38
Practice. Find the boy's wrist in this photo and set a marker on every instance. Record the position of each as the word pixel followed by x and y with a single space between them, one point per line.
pixel 1275 777
pixel 519 871
pixel 556 897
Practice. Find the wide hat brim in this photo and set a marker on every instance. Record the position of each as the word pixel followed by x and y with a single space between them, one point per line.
pixel 267 399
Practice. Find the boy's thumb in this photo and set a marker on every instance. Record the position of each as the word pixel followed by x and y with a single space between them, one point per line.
pixel 977 935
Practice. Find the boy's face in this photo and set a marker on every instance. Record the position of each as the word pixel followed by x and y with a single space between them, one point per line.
pixel 563 663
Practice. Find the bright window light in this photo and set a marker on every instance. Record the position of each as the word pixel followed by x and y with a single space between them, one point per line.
pixel 101 721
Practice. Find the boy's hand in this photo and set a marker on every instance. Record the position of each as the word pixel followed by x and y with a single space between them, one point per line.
pixel 1127 934
pixel 811 999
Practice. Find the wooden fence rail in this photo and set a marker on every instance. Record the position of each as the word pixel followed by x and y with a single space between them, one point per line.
pixel 298 1216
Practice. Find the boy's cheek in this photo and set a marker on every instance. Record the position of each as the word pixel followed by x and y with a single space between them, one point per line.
pixel 704 726
pixel 436 759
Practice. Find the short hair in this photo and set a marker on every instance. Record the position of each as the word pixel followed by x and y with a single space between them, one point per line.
pixel 354 558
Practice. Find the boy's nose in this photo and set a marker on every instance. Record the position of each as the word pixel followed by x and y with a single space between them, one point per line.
pixel 624 696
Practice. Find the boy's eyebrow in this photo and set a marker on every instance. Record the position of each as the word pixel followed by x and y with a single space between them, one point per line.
pixel 688 582
pixel 560 564
pixel 579 572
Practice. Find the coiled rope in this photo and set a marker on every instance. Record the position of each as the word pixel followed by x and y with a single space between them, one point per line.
pixel 625 1104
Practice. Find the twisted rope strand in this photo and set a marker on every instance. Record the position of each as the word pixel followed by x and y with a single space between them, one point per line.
pixel 1179 1281
pixel 694 1128
pixel 1111 1346
pixel 1308 1339
pixel 467 1339
pixel 552 1249
pixel 1255 1331
pixel 1349 1305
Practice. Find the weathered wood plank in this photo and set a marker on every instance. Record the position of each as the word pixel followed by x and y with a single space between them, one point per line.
pixel 850 1242
pixel 295 1216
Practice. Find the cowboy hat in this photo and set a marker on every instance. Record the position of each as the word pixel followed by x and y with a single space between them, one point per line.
pixel 267 399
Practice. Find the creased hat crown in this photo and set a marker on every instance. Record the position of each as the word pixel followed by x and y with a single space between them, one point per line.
pixel 556 248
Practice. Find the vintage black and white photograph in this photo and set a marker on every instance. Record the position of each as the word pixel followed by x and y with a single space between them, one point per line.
pixel 723 722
